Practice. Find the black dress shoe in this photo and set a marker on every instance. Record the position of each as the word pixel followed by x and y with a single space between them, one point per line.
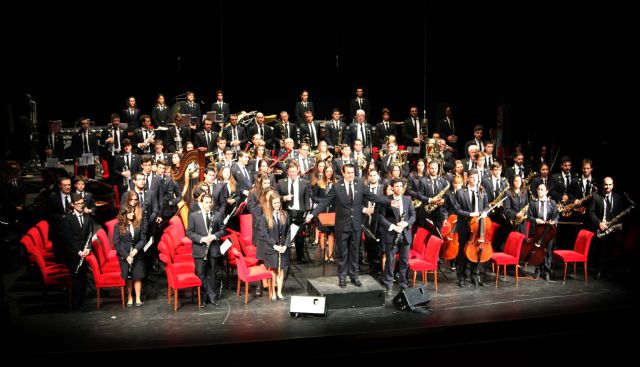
pixel 547 277
pixel 342 283
pixel 356 282
pixel 259 291
pixel 479 281
pixel 388 291
pixel 203 305
pixel 461 283
pixel 214 302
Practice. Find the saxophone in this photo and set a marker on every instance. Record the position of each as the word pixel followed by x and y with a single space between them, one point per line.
pixel 614 224
pixel 500 196
pixel 527 181
pixel 516 221
pixel 429 207
pixel 567 210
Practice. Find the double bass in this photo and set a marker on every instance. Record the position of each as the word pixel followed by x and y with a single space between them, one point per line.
pixel 478 249
pixel 535 247
pixel 450 245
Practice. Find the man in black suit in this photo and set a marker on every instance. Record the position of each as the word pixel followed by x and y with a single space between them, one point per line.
pixel 477 139
pixel 191 107
pixel 347 199
pixel 359 103
pixel 447 128
pixel 53 145
pixel 469 203
pixel 144 136
pixel 543 211
pixel 131 114
pixel 235 135
pixel 77 229
pixel 125 166
pixel 295 191
pixel 244 178
pixel 206 138
pixel 335 130
pixel 220 107
pixel 310 129
pixel 178 135
pixel 160 113
pixel 111 141
pixel 89 203
pixel 204 230
pixel 147 199
pixel 58 205
pixel 303 106
pixel 563 193
pixel 602 210
pixel 519 168
pixel 383 129
pixel 85 142
pixel 430 186
pixel 266 132
pixel 412 128
pixel 360 129
pixel 395 230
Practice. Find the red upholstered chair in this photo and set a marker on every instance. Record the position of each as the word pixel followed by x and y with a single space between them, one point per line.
pixel 249 274
pixel 494 227
pixel 106 246
pixel 38 241
pixel 179 276
pixel 579 254
pixel 510 256
pixel 105 169
pixel 104 279
pixel 43 227
pixel 116 193
pixel 110 226
pixel 428 263
pixel 419 243
pixel 53 275
pixel 246 235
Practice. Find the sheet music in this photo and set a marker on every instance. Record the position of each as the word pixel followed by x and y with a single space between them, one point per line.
pixel 293 230
pixel 52 163
pixel 225 246
pixel 149 243
pixel 86 160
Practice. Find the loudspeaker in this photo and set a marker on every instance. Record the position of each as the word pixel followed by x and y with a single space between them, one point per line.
pixel 306 305
pixel 408 299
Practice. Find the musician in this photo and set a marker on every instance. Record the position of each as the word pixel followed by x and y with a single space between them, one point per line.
pixel 372 246
pixel 517 200
pixel 428 190
pixel 393 158
pixel 411 128
pixel 264 168
pixel 225 194
pixel 13 193
pixel 287 130
pixel 446 153
pixel 584 185
pixel 470 202
pixel 494 184
pixel 235 135
pixel 470 162
pixel 360 156
pixel 360 129
pixel 346 196
pixel 488 154
pixel 227 161
pixel 323 154
pixel 542 158
pixel 130 115
pixel 296 194
pixel 144 136
pixel 544 178
pixel 53 145
pixel 169 194
pixel 477 139
pixel 320 190
pixel 191 107
pixel 160 113
pixel 244 179
pixel 265 132
pixel 147 198
pixel 257 197
pixel 310 129
pixel 273 229
pixel 125 166
pixel 303 106
pixel 85 142
pixel 542 211
pixel 205 138
pixel 383 129
pixel 220 107
pixel 335 129
pixel 304 160
pixel 603 209
pixel 77 229
pixel 158 154
pixel 480 162
pixel 358 103
pixel 129 239
pixel 259 154
pixel 395 230
pixel 89 203
pixel 178 135
pixel 204 230
pixel 518 168
pixel 413 183
pixel 345 158
pixel 447 128
pixel 564 194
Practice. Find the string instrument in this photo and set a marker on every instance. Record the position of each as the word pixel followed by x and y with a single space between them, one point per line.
pixel 535 247
pixel 450 244
pixel 197 157
pixel 478 249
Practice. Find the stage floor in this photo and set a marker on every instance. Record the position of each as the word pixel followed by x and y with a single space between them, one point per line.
pixel 534 310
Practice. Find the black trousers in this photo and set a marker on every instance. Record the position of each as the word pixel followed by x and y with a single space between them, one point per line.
pixel 347 244
pixel 462 261
pixel 297 217
pixel 91 171
pixel 78 282
pixel 206 271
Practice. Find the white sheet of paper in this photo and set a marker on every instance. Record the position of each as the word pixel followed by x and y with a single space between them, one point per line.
pixel 293 229
pixel 149 243
pixel 225 246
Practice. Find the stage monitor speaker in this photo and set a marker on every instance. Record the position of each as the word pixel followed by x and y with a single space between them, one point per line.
pixel 307 305
pixel 410 298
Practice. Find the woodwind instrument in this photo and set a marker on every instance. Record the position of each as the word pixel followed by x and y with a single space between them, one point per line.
pixel 86 247
pixel 516 221
pixel 430 207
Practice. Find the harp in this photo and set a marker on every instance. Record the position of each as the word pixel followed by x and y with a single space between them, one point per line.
pixel 193 161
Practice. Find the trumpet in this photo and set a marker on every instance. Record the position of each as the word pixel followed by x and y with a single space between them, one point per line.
pixel 150 137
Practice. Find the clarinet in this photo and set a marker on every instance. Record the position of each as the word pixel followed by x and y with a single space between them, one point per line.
pixel 130 253
pixel 208 245
pixel 396 241
pixel 86 247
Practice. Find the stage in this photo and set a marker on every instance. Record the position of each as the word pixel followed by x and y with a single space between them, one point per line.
pixel 534 311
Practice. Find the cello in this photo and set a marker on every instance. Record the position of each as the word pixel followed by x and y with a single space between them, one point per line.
pixel 450 245
pixel 535 247
pixel 478 249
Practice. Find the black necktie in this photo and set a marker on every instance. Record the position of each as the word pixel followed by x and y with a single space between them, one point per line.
pixel 142 199
pixel 116 138
pixel 292 194
pixel 208 223
pixel 364 139
pixel 85 137
pixel 278 225
pixel 260 131
pixel 67 203
pixel 567 180
pixel 81 221
pixel 312 135
pixel 52 138
pixel 587 189
pixel 497 186
pixel 542 210
pixel 127 163
pixel 245 173
pixel 473 200
pixel 609 206
pixel 351 196
pixel 208 138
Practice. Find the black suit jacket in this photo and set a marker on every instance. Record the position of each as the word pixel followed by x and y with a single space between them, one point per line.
pixel 444 129
pixel 354 106
pixel 349 214
pixel 487 183
pixel 194 111
pixel 76 144
pixel 224 111
pixel 242 135
pixel 596 208
pixel 511 172
pixel 119 167
pixel 75 237
pixel 534 211
pixel 300 110
pixel 268 134
pixel 201 140
pixel 198 229
pixel 381 133
pixel 123 243
pixel 333 135
pixel 58 146
pixel 303 193
pixel 559 188
pixel 389 215
pixel 185 135
pixel 463 208
pixel 160 117
pixel 305 130
pixel 132 120
pixel 352 134
pixel 536 181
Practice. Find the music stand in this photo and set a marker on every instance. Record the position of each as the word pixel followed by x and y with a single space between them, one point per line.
pixel 327 220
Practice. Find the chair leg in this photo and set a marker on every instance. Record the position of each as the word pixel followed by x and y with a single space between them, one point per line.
pixel 199 300
pixel 493 267
pixel 575 270
pixel 175 299
pixel 497 273
pixel 505 271
pixel 425 277
pixel 435 278
pixel 565 273
pixel 415 275
pixel 586 277
pixel 122 295
pixel 246 292
pixel 238 289
pixel 168 295
pixel 98 299
pixel 516 274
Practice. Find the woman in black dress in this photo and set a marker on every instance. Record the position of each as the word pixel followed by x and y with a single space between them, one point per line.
pixel 129 239
pixel 273 231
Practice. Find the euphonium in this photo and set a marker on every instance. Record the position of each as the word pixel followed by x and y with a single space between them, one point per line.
pixel 429 207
